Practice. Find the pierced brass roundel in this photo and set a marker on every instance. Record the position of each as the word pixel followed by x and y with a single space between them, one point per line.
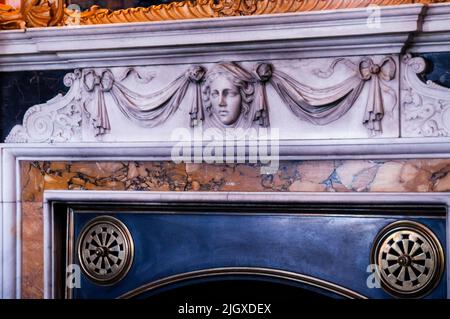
pixel 410 259
pixel 105 250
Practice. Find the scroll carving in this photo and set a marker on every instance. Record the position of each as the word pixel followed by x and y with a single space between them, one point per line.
pixel 226 95
pixel 425 106
pixel 58 120
pixel 146 110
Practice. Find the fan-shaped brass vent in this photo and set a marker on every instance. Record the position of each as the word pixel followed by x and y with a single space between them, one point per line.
pixel 410 259
pixel 105 250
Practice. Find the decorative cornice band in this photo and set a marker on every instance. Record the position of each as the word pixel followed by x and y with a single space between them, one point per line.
pixel 41 13
pixel 281 36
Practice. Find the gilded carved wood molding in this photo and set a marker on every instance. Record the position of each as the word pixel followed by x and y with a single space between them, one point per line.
pixel 32 13
pixel 220 8
pixel 10 18
pixel 42 13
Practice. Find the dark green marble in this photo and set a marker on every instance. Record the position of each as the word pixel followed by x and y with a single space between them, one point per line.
pixel 21 90
pixel 438 69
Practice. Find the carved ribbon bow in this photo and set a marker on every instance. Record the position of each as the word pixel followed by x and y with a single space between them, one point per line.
pixel 376 73
pixel 99 84
pixel 104 81
pixel 262 73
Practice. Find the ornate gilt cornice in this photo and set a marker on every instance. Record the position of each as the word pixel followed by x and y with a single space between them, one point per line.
pixel 43 13
pixel 10 18
pixel 32 13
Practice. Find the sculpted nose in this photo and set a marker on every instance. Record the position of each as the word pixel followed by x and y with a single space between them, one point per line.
pixel 223 101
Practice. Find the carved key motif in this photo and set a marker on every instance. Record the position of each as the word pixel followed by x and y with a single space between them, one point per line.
pixel 226 95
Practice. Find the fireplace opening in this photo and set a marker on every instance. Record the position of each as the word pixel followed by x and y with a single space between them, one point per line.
pixel 171 250
pixel 236 289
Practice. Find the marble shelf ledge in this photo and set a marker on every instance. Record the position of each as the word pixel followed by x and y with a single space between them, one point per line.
pixel 385 148
pixel 298 35
pixel 435 33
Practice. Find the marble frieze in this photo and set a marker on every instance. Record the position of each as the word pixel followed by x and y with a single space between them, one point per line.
pixel 324 98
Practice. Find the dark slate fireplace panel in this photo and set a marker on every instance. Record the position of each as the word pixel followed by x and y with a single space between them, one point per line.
pixel 329 246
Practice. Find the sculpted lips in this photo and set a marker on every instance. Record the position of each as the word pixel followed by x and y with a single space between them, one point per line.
pixel 223 113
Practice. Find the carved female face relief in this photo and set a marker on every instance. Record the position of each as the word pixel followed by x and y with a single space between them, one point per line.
pixel 227 96
pixel 226 100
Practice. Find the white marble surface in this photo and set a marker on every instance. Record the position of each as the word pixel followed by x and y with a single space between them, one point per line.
pixel 65 119
pixel 295 43
pixel 434 35
pixel 296 35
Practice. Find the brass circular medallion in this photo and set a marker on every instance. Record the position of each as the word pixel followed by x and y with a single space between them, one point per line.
pixel 105 250
pixel 409 259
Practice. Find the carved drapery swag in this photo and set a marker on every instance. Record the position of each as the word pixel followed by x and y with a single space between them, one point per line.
pixel 323 106
pixel 318 106
pixel 147 110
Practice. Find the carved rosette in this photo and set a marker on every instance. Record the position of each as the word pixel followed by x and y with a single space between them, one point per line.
pixel 425 107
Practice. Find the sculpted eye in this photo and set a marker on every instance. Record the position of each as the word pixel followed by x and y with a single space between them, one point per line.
pixel 214 94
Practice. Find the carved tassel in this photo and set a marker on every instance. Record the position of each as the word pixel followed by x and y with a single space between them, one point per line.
pixel 101 121
pixel 263 73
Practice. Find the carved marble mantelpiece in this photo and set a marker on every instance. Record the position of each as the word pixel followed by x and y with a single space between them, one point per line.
pixel 313 75
pixel 334 87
